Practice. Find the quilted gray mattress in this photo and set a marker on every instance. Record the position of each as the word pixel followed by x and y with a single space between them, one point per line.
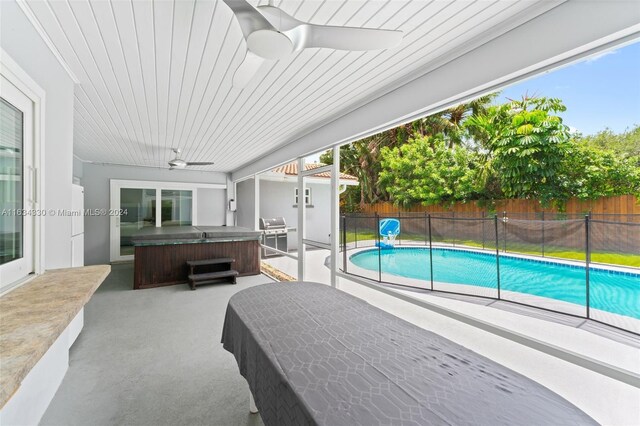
pixel 316 355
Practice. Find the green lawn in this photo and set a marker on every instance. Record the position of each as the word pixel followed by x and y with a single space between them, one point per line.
pixel 608 258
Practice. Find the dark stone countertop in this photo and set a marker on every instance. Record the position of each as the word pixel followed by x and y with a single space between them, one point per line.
pixel 192 234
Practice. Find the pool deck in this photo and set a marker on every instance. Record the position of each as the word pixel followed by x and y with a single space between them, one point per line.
pixel 607 400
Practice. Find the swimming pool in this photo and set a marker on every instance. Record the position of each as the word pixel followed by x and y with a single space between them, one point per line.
pixel 611 291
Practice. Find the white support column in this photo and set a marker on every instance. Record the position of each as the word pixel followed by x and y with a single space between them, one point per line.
pixel 301 220
pixel 158 208
pixel 256 206
pixel 231 195
pixel 335 215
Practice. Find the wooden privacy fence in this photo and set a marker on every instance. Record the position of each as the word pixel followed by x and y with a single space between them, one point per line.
pixel 626 205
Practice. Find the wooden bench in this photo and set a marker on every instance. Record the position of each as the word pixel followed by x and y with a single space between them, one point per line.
pixel 222 270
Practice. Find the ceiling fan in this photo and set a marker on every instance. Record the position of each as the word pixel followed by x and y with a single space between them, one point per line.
pixel 178 163
pixel 272 34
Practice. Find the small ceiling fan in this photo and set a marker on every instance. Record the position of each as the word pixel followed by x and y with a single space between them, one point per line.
pixel 272 34
pixel 178 163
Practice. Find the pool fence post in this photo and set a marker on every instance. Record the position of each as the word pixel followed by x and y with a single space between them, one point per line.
pixel 542 233
pixel 400 223
pixel 504 229
pixel 430 252
pixel 483 216
pixel 495 222
pixel 453 216
pixel 344 243
pixel 426 228
pixel 379 248
pixel 587 260
pixel 355 230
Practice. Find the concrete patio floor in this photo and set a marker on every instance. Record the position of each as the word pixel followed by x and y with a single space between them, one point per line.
pixel 607 400
pixel 153 357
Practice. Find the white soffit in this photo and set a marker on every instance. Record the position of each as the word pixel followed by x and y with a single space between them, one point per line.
pixel 157 74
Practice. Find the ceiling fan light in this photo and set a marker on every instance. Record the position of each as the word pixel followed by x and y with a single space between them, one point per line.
pixel 178 163
pixel 269 44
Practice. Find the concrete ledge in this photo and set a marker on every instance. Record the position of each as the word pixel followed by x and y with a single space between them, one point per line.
pixel 30 401
pixel 35 315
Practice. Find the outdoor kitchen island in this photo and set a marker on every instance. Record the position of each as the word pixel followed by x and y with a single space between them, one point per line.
pixel 162 253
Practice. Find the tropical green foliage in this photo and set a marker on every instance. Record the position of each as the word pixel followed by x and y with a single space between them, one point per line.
pixel 362 158
pixel 626 144
pixel 424 170
pixel 590 172
pixel 527 143
pixel 483 152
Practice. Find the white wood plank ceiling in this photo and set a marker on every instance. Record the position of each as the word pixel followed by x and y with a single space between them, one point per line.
pixel 157 74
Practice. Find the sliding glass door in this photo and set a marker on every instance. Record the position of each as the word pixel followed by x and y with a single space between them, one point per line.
pixel 177 207
pixel 16 185
pixel 145 204
pixel 138 210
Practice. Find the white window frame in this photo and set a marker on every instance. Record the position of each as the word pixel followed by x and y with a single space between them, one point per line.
pixel 114 221
pixel 18 77
pixel 307 196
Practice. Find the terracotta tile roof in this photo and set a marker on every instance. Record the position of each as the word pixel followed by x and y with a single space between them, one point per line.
pixel 291 169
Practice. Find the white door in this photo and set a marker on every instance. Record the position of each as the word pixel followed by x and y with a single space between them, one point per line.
pixel 17 184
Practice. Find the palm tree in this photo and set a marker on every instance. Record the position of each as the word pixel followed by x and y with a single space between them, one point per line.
pixel 362 158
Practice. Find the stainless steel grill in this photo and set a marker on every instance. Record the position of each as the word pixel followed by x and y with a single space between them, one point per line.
pixel 275 235
pixel 277 225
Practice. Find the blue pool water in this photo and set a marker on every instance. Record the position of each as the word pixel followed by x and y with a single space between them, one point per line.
pixel 610 291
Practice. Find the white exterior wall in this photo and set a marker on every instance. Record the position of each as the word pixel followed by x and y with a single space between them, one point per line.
pixel 25 46
pixel 277 199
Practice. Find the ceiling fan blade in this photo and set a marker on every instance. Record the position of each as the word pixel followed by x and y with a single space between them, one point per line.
pixel 342 38
pixel 350 38
pixel 199 163
pixel 247 69
pixel 248 17
pixel 277 17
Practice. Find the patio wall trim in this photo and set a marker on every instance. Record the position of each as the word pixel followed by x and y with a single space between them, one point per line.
pixel 566 33
pixel 592 364
pixel 43 34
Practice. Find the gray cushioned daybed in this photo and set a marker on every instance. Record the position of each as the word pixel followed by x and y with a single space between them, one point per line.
pixel 316 355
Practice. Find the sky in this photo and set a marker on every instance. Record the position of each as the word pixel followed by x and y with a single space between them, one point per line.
pixel 599 92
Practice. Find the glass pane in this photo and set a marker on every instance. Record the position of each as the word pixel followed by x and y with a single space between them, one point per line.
pixel 11 181
pixel 176 208
pixel 139 211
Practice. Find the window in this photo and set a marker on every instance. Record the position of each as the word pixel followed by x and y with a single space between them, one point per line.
pixel 17 183
pixel 11 182
pixel 307 196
